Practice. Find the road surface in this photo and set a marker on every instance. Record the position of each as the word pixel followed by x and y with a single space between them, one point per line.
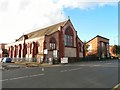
pixel 97 74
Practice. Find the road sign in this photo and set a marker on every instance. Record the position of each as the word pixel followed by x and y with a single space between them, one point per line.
pixel 64 60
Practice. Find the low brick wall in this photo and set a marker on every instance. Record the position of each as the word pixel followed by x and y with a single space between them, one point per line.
pixel 74 59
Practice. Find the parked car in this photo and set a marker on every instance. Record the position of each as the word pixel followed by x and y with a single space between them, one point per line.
pixel 7 60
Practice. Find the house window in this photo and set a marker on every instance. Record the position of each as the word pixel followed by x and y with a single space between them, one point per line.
pixel 68 37
pixel 52 46
pixel 36 46
pixel 52 43
pixel 90 48
pixel 68 40
pixel 30 48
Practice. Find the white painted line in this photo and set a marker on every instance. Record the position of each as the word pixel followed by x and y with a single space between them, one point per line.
pixel 64 71
pixel 36 75
pixel 18 78
pixel 95 65
pixel 22 77
pixel 109 63
pixel 4 80
pixel 70 70
pixel 75 69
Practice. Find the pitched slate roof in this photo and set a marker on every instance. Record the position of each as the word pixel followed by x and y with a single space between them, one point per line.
pixel 96 37
pixel 45 31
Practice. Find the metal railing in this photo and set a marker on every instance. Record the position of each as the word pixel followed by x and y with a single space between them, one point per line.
pixel 24 59
pixel 39 60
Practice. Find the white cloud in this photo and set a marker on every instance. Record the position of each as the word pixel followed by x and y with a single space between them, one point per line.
pixel 3 5
pixel 84 4
pixel 21 16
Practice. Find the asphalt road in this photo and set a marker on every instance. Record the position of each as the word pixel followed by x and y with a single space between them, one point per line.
pixel 97 74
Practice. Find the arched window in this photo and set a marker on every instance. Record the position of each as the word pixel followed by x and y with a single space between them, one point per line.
pixel 20 47
pixel 80 46
pixel 68 37
pixel 52 43
pixel 36 48
pixel 30 48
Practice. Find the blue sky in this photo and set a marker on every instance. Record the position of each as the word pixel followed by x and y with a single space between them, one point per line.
pixel 89 17
pixel 98 21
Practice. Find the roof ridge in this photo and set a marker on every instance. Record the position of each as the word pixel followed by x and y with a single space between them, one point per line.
pixel 46 30
pixel 97 36
pixel 47 27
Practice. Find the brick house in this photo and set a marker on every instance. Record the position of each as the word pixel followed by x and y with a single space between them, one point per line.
pixel 3 50
pixel 114 51
pixel 56 41
pixel 97 47
pixel 111 51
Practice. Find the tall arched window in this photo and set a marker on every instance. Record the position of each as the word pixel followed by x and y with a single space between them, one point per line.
pixel 80 46
pixel 36 47
pixel 68 37
pixel 52 43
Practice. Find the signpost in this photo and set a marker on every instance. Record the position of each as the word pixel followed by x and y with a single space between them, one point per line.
pixel 64 60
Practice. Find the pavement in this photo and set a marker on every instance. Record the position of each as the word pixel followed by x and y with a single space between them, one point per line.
pixel 98 74
pixel 17 65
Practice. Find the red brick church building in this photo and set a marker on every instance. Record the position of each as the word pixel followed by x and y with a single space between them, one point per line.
pixel 56 41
